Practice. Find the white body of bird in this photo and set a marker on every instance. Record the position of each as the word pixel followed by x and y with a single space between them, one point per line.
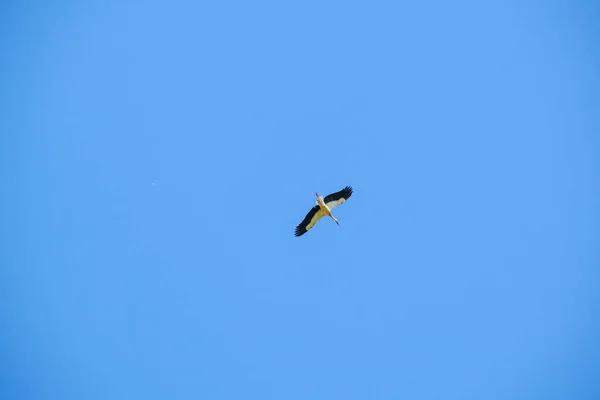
pixel 321 203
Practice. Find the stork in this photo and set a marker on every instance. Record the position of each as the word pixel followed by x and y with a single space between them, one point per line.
pixel 323 208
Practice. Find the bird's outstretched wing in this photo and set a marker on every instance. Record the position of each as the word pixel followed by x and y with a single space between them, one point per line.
pixel 337 198
pixel 310 220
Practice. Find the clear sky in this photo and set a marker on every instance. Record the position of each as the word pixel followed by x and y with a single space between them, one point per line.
pixel 157 156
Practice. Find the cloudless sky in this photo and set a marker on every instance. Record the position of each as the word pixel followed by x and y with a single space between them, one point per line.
pixel 157 156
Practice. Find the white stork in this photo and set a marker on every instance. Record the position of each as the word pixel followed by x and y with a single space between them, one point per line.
pixel 323 208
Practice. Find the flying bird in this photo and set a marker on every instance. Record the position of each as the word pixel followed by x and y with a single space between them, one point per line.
pixel 323 208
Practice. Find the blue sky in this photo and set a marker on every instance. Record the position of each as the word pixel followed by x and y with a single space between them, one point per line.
pixel 157 156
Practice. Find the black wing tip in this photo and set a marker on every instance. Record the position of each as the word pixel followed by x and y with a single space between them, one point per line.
pixel 299 231
pixel 347 192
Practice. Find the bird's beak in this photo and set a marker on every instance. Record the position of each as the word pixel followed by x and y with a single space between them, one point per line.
pixel 317 194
